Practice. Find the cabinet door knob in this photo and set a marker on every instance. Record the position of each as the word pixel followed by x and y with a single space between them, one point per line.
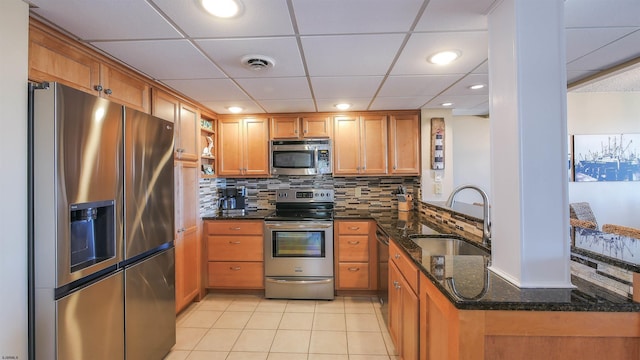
pixel 97 88
pixel 108 91
pixel 397 256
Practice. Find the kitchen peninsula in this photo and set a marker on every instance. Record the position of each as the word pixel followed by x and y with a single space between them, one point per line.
pixel 504 322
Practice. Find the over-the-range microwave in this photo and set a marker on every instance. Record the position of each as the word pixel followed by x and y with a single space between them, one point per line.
pixel 300 157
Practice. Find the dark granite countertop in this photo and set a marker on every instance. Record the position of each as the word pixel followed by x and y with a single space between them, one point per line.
pixel 477 288
pixel 237 215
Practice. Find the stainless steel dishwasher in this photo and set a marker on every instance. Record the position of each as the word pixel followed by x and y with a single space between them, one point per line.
pixel 383 273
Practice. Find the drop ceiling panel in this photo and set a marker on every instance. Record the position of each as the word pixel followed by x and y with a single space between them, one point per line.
pixel 276 88
pixel 417 85
pixel 153 58
pixel 359 104
pixel 287 106
pixel 601 13
pixel 228 54
pixel 467 101
pixel 399 103
pixel 220 107
pixel 345 87
pixel 413 61
pixel 583 41
pixel 350 55
pixel 106 19
pixel 260 17
pixel 461 88
pixel 610 55
pixel 337 16
pixel 455 15
pixel 208 89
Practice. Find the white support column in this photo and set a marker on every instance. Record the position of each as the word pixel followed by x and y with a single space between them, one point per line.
pixel 527 72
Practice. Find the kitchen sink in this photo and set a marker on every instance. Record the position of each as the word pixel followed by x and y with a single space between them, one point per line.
pixel 443 245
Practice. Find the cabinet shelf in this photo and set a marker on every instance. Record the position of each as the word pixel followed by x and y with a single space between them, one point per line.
pixel 210 131
pixel 208 157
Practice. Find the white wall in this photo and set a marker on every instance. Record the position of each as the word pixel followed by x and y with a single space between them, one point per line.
pixel 472 154
pixel 606 113
pixel 467 156
pixel 14 31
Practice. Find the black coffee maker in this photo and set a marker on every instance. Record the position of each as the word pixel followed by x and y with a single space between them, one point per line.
pixel 232 199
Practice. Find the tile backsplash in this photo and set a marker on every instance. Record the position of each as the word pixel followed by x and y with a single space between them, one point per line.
pixel 375 192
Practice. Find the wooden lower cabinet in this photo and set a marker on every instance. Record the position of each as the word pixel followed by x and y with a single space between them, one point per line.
pixel 355 255
pixel 235 254
pixel 404 305
pixel 187 237
pixel 449 333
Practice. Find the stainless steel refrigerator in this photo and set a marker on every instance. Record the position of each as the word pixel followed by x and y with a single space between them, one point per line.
pixel 102 229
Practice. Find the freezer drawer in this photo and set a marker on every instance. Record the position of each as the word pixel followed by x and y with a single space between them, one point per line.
pixel 150 307
pixel 90 322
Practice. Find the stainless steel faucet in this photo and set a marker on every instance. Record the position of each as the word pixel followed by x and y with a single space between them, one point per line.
pixel 486 221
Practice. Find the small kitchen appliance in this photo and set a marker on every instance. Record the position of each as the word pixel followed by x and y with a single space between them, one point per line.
pixel 232 200
pixel 298 245
pixel 300 157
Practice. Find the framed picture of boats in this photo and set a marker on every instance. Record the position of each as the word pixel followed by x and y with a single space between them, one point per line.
pixel 606 157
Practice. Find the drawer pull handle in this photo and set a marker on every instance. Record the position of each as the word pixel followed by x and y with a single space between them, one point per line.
pixel 354 242
pixel 354 269
pixel 234 268
pixel 234 242
pixel 397 256
pixel 234 228
pixel 354 227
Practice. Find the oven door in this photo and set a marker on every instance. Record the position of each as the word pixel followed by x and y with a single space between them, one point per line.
pixel 298 248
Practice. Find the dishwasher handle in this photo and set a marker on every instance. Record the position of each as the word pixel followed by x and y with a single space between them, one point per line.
pixel 382 237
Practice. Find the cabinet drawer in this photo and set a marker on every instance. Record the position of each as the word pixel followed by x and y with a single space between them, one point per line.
pixel 240 227
pixel 235 248
pixel 353 227
pixel 236 275
pixel 353 248
pixel 404 264
pixel 353 276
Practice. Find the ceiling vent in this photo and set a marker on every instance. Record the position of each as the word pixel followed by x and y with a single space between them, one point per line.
pixel 258 62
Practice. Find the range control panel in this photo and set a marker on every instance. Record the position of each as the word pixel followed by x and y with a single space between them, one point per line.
pixel 309 195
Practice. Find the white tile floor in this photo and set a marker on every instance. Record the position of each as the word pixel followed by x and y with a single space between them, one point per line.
pixel 247 327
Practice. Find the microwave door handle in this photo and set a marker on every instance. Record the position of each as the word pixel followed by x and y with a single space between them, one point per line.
pixel 315 160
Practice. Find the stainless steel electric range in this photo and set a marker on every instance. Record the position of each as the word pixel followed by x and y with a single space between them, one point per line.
pixel 298 246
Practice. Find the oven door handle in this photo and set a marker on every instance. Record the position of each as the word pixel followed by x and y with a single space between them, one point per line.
pixel 297 226
pixel 298 282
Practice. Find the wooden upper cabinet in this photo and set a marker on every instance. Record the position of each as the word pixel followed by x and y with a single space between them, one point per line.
pixel 316 127
pixel 295 127
pixel 55 57
pixel 360 145
pixel 165 105
pixel 285 127
pixel 404 144
pixel 346 145
pixel 243 147
pixel 373 137
pixel 51 59
pixel 187 140
pixel 121 87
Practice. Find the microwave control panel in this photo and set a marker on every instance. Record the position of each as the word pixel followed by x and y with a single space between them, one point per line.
pixel 324 162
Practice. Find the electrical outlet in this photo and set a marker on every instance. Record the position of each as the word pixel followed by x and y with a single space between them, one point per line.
pixel 358 193
pixel 437 188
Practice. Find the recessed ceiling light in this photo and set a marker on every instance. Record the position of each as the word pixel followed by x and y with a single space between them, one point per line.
pixel 447 104
pixel 235 109
pixel 444 57
pixel 222 8
pixel 476 86
pixel 342 106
